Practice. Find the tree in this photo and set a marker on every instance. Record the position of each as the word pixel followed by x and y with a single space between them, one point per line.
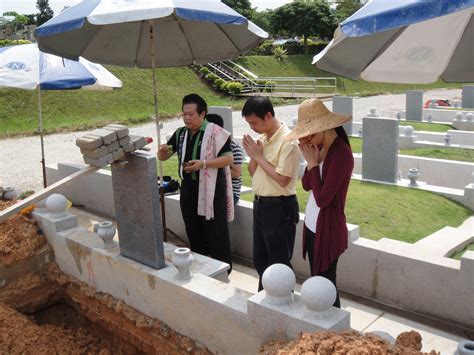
pixel 346 8
pixel 31 19
pixel 263 19
pixel 304 19
pixel 243 7
pixel 45 12
pixel 17 21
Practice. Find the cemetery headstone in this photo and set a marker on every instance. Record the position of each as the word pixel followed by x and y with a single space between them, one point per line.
pixel 380 149
pixel 344 105
pixel 414 105
pixel 138 211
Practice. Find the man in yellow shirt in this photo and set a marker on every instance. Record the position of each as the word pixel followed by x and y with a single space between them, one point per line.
pixel 274 169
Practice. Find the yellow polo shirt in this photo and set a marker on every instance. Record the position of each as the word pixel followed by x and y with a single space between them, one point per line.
pixel 284 156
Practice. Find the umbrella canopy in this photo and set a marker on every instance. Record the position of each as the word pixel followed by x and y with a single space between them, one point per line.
pixel 25 67
pixel 118 32
pixel 405 41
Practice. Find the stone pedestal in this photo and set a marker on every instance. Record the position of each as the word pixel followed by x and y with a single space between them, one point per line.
pixel 380 149
pixel 468 96
pixel 137 210
pixel 226 114
pixel 289 320
pixel 469 196
pixel 344 106
pixel 414 105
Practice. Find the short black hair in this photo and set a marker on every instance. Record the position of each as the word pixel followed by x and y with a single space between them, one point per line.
pixel 215 118
pixel 201 105
pixel 258 105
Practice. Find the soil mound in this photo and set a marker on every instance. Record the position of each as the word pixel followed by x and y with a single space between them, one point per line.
pixel 347 342
pixel 19 237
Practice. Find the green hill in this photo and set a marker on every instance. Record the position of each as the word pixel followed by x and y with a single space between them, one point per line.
pixel 83 109
pixel 300 65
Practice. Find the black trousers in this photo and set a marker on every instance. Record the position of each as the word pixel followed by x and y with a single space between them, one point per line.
pixel 330 273
pixel 274 229
pixel 210 238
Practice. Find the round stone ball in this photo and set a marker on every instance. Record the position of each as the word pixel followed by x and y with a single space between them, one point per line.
pixel 279 280
pixel 458 116
pixel 373 111
pixel 56 203
pixel 318 294
pixel 469 117
pixel 408 131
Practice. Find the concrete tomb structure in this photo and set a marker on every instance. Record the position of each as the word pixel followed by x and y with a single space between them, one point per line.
pixel 138 211
pixel 226 114
pixel 380 149
pixel 414 105
pixel 344 106
pixel 468 96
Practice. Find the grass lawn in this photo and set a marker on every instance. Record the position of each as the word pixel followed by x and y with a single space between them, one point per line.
pixel 425 126
pixel 381 210
pixel 458 154
pixel 458 255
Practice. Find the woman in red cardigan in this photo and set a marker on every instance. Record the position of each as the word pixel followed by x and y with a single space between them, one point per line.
pixel 327 151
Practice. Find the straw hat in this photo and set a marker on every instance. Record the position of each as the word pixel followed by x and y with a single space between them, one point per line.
pixel 314 117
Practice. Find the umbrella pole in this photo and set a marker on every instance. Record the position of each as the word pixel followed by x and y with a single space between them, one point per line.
pixel 158 131
pixel 40 128
pixel 155 99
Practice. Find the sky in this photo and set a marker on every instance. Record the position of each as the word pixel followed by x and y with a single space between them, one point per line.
pixel 29 6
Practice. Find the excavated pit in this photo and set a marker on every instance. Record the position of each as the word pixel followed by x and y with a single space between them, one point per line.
pixel 52 313
pixel 42 310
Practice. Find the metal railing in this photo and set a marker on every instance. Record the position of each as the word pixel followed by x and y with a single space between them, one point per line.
pixel 292 86
pixel 278 86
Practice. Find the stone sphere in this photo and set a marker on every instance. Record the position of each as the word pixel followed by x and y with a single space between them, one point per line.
pixel 318 294
pixel 279 280
pixel 458 116
pixel 373 111
pixel 56 203
pixel 470 117
pixel 384 335
pixel 408 130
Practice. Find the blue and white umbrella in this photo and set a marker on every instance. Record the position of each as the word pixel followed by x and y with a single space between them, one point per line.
pixel 149 34
pixel 404 41
pixel 26 67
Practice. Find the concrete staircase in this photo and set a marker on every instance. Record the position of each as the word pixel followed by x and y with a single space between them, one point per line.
pixel 448 240
pixel 230 71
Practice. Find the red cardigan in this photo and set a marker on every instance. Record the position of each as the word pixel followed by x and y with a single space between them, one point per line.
pixel 330 195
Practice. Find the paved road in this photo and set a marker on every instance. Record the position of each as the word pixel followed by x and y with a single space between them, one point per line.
pixel 20 157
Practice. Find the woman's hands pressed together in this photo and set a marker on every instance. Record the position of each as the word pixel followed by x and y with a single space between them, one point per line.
pixel 310 154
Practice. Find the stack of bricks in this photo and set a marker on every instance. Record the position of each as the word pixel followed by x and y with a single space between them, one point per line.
pixel 108 144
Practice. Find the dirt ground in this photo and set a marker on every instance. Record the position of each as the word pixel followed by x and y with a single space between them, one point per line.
pixel 19 237
pixel 348 342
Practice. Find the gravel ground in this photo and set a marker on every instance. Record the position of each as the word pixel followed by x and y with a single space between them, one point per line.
pixel 20 158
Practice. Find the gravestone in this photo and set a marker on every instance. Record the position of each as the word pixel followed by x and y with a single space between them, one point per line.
pixel 468 96
pixel 414 105
pixel 137 210
pixel 380 149
pixel 344 106
pixel 226 114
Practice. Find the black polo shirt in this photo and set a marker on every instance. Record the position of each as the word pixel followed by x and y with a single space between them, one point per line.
pixel 193 148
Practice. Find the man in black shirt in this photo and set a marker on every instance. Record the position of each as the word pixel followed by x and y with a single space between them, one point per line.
pixel 206 236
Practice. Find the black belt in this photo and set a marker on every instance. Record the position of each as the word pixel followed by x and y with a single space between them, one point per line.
pixel 273 199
